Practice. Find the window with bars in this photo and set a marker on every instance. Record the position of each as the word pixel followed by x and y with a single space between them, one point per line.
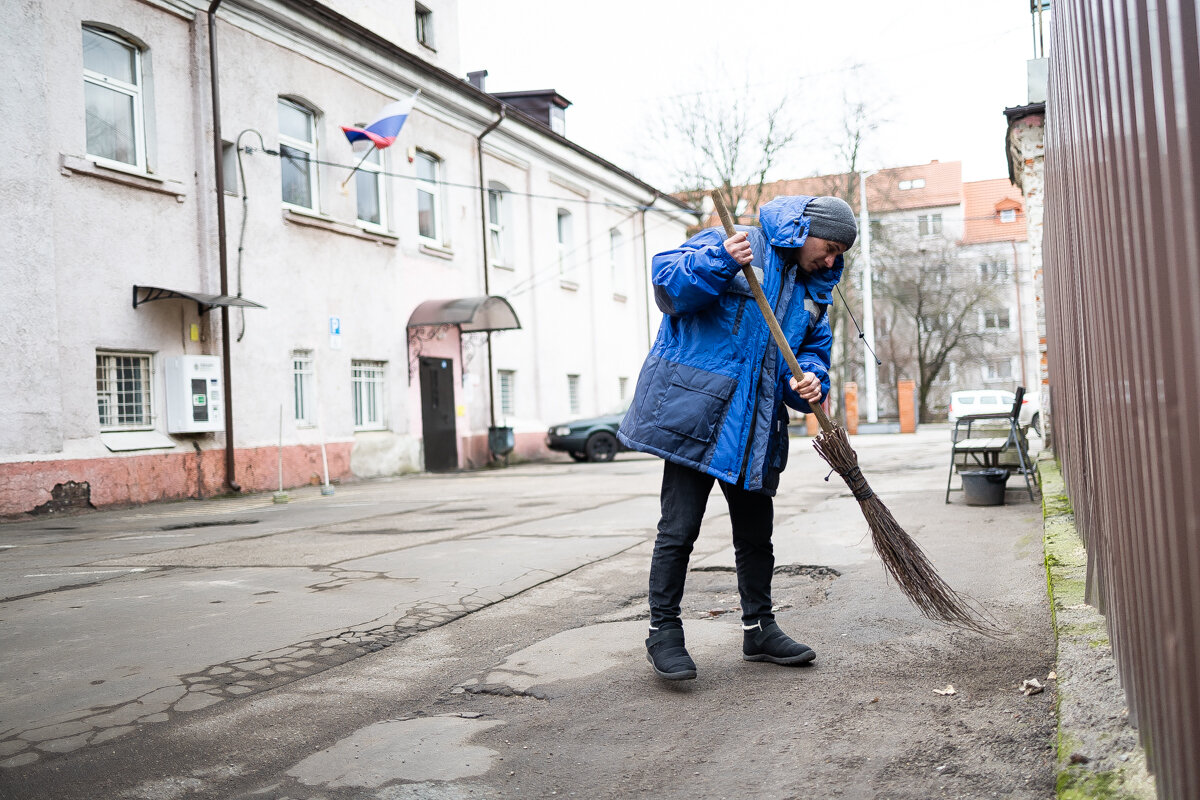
pixel 367 385
pixel 508 380
pixel 573 393
pixel 112 98
pixel 297 154
pixel 123 391
pixel 623 389
pixel 303 396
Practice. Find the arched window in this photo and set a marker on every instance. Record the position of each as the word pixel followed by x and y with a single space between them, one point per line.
pixel 298 154
pixel 112 96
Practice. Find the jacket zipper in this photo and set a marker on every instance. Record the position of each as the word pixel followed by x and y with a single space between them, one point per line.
pixel 758 387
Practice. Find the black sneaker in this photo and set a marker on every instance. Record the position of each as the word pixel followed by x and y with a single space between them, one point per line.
pixel 769 643
pixel 668 656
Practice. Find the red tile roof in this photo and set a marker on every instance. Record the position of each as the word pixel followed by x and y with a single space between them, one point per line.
pixel 933 185
pixel 982 204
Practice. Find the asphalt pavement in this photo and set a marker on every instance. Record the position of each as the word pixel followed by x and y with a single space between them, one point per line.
pixel 481 635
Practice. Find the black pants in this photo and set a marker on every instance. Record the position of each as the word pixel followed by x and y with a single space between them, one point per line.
pixel 684 498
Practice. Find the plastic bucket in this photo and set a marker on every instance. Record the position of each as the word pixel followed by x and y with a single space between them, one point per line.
pixel 984 487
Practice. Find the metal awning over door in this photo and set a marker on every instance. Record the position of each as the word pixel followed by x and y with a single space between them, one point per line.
pixel 470 314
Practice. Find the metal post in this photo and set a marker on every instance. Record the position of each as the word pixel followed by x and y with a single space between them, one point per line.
pixel 871 368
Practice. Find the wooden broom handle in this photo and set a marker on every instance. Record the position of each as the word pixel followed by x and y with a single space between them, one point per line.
pixel 767 312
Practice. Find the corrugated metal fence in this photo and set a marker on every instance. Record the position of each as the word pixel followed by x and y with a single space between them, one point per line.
pixel 1122 255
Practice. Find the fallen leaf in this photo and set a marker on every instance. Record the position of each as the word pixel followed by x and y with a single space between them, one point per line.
pixel 1031 686
pixel 876 700
pixel 1053 676
pixel 1079 758
pixel 948 690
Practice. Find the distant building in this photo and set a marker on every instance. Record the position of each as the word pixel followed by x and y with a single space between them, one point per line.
pixel 359 302
pixel 928 206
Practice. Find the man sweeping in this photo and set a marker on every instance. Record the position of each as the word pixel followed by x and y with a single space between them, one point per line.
pixel 710 401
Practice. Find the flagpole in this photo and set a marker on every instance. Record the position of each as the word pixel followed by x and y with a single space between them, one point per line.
pixel 356 166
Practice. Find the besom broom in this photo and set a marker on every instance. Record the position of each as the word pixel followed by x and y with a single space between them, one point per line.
pixel 901 556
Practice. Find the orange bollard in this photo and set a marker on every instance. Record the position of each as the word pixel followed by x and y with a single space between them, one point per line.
pixel 850 399
pixel 906 399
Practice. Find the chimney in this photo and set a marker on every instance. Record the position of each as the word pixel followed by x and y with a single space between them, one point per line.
pixel 477 78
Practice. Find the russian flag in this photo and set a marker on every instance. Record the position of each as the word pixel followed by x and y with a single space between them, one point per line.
pixel 386 127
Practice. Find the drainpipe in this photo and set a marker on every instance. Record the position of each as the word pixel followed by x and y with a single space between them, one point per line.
pixel 483 225
pixel 646 268
pixel 226 369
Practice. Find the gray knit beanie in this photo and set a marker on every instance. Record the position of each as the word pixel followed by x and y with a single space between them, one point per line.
pixel 832 219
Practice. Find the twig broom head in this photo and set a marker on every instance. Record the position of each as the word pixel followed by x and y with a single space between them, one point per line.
pixel 901 556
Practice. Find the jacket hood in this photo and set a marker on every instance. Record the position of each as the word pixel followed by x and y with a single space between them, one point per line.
pixel 784 223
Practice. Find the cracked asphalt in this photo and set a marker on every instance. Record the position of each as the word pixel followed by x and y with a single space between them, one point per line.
pixel 481 635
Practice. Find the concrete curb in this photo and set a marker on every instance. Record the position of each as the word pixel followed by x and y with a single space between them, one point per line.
pixel 1099 752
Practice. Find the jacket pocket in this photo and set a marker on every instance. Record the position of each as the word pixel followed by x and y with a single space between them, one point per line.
pixel 694 403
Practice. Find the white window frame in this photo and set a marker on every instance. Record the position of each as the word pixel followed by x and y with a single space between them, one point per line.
pixel 372 166
pixel 993 315
pixel 508 387
pixel 304 398
pixel 574 406
pixel 134 91
pixel 424 26
pixel 497 230
pixel 1008 215
pixel 623 388
pixel 309 149
pixel 368 387
pixel 991 373
pixel 993 271
pixel 929 225
pixel 109 391
pixel 434 190
pixel 565 232
pixel 617 261
pixel 912 183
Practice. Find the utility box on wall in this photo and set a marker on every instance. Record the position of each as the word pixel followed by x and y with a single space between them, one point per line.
pixel 195 399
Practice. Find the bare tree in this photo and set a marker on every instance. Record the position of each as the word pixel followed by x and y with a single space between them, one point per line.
pixel 729 141
pixel 934 310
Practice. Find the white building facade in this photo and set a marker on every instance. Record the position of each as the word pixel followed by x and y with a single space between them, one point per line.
pixel 113 270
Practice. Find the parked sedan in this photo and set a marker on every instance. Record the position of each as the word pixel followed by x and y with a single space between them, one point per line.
pixel 995 401
pixel 592 439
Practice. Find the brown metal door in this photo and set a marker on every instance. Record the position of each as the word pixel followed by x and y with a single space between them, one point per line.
pixel 437 414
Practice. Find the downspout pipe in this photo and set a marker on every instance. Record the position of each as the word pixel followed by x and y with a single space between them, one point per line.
pixel 226 368
pixel 483 226
pixel 646 267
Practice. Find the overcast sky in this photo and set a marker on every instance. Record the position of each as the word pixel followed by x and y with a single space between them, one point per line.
pixel 936 76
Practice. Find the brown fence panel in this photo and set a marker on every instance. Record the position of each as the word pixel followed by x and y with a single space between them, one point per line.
pixel 1122 274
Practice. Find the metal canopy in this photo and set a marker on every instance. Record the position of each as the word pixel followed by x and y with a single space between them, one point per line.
pixel 206 302
pixel 468 313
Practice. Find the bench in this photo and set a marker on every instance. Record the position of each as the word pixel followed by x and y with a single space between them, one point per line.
pixel 986 452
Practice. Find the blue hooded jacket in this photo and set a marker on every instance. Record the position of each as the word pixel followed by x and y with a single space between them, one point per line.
pixel 711 392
